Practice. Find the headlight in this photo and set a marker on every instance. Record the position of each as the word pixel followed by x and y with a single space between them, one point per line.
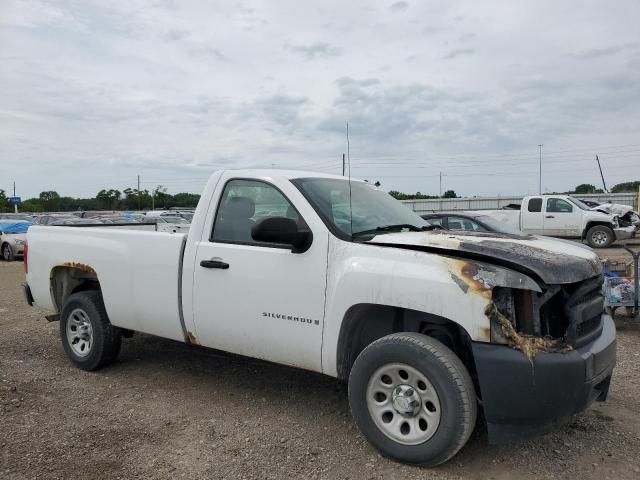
pixel 19 242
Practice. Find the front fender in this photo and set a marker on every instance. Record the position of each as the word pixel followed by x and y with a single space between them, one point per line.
pixel 456 289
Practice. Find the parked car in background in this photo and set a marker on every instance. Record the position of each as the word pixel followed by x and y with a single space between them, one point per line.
pixel 12 238
pixel 76 221
pixel 469 222
pixel 566 217
pixel 17 216
pixel 164 219
pixel 48 219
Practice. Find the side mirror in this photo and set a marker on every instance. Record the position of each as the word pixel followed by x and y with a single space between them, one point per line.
pixel 282 230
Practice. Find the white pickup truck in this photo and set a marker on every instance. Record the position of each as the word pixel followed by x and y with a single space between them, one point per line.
pixel 337 277
pixel 566 217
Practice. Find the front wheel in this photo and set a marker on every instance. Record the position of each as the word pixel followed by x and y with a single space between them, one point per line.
pixel 7 253
pixel 412 398
pixel 88 338
pixel 600 236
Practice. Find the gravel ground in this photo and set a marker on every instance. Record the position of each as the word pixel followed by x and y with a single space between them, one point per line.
pixel 164 410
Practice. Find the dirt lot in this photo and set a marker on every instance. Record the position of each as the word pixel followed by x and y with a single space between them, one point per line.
pixel 167 411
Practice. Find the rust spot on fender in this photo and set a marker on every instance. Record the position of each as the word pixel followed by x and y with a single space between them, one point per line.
pixel 472 278
pixel 191 339
pixel 80 266
pixel 528 344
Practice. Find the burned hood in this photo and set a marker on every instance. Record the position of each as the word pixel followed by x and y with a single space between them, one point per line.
pixel 552 261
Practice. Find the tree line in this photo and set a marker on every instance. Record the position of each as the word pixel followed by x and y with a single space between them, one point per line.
pixel 132 199
pixel 111 199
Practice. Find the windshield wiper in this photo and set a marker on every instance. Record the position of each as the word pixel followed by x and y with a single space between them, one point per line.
pixel 391 228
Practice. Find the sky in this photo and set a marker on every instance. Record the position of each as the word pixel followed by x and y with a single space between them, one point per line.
pixel 94 93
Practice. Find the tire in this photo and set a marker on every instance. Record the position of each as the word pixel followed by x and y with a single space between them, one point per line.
pixel 7 253
pixel 442 422
pixel 600 236
pixel 84 321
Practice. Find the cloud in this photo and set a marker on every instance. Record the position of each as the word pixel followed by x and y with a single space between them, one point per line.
pixel 458 52
pixel 399 6
pixel 604 51
pixel 316 50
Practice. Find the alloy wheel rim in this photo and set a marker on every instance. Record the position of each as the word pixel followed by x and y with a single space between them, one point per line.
pixel 79 332
pixel 403 404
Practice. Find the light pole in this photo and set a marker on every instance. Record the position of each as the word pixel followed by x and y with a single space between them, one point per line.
pixel 540 173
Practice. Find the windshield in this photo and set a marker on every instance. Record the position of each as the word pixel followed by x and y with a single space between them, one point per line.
pixel 497 226
pixel 370 208
pixel 579 203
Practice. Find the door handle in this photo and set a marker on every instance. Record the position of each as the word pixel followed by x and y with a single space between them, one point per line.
pixel 214 264
pixel 549 216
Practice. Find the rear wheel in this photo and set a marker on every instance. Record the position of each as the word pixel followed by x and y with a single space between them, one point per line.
pixel 88 338
pixel 600 236
pixel 7 253
pixel 412 398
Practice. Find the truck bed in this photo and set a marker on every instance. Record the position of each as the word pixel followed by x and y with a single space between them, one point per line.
pixel 138 272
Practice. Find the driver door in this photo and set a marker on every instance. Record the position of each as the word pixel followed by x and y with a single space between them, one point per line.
pixel 562 218
pixel 254 298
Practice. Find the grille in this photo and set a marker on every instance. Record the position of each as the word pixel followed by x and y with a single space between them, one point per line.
pixel 584 304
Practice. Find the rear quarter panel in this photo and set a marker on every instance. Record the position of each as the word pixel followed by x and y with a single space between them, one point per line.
pixel 137 271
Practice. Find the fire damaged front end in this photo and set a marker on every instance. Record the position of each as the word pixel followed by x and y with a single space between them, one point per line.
pixel 549 349
pixel 551 355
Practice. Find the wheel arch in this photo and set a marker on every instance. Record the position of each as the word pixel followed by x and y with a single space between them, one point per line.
pixel 70 278
pixel 595 223
pixel 365 323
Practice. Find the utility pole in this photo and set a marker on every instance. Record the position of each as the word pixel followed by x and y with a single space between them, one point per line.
pixel 601 175
pixel 540 145
pixel 440 184
pixel 138 192
pixel 15 205
pixel 343 165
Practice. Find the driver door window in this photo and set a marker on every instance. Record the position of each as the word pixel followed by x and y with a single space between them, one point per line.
pixel 557 205
pixel 242 205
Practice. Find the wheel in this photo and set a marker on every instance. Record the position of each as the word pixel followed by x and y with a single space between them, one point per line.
pixel 412 398
pixel 88 338
pixel 7 253
pixel 600 236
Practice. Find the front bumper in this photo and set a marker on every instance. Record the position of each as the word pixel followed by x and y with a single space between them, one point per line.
pixel 523 398
pixel 625 233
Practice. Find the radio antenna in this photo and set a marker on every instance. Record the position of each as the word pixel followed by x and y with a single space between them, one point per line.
pixel 350 205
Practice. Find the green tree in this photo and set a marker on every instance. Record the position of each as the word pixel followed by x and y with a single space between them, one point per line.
pixel 108 199
pixel 50 200
pixel 186 200
pixel 4 202
pixel 32 205
pixel 161 198
pixel 410 196
pixel 585 188
pixel 626 187
pixel 449 194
